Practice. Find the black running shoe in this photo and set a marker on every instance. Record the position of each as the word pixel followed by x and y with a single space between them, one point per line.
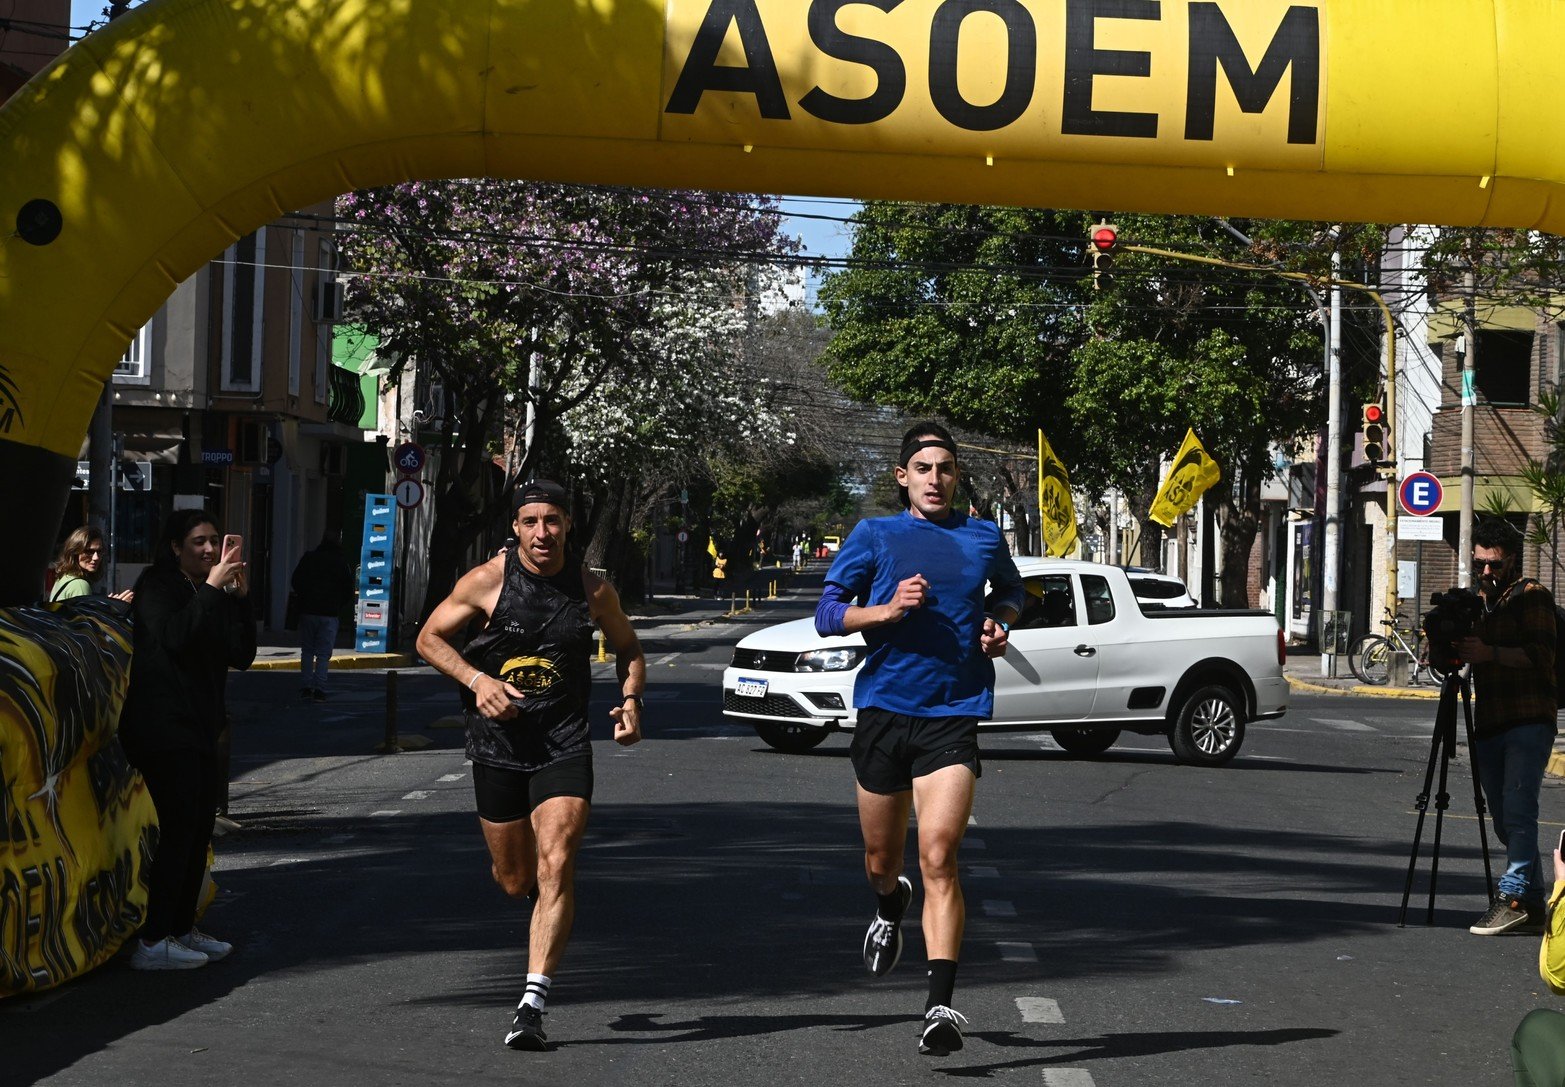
pixel 527 1031
pixel 942 1031
pixel 883 941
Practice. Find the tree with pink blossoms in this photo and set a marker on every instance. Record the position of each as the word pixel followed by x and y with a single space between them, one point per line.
pixel 621 303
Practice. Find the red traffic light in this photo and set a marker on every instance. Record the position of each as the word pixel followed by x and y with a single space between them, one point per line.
pixel 1105 237
pixel 1373 414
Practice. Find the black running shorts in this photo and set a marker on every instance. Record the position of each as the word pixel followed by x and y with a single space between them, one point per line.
pixel 505 796
pixel 891 749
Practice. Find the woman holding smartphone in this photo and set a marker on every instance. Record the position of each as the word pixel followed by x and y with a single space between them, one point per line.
pixel 193 621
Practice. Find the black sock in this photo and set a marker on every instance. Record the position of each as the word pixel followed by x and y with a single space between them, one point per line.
pixel 942 982
pixel 891 906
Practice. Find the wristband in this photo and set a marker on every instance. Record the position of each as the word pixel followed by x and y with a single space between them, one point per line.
pixel 636 698
pixel 1001 624
pixel 474 679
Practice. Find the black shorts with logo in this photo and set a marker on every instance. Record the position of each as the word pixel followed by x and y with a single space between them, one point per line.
pixel 891 749
pixel 506 795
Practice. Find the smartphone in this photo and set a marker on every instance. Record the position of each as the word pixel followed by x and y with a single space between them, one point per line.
pixel 1562 841
pixel 233 548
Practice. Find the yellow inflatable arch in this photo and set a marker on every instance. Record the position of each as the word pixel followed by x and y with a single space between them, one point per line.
pixel 153 144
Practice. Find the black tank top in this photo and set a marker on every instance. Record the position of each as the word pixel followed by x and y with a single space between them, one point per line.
pixel 539 640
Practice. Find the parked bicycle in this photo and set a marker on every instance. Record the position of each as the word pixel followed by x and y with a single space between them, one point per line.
pixel 1370 655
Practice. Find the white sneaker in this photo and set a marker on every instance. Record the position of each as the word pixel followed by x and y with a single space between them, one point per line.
pixel 210 946
pixel 166 954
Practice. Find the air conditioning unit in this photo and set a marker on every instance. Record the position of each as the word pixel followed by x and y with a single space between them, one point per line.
pixel 328 301
pixel 250 441
pixel 334 459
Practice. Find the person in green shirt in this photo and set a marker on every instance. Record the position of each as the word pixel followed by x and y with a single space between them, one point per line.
pixel 80 564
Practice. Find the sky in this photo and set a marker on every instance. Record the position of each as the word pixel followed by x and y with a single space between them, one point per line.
pixel 821 237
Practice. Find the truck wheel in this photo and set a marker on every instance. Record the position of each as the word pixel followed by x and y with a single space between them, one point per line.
pixel 789 739
pixel 1085 741
pixel 1209 728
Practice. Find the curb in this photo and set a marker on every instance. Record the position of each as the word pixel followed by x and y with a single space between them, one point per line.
pixel 1359 689
pixel 345 661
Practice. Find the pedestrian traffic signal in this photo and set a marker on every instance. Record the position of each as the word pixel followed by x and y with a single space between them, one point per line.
pixel 1105 239
pixel 1374 430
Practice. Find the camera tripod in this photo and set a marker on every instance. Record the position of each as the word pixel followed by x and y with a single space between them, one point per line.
pixel 1442 748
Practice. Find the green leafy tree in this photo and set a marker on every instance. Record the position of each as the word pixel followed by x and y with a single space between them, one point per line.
pixel 986 316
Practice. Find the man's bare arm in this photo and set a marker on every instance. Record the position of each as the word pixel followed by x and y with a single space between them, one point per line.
pixel 472 597
pixel 630 663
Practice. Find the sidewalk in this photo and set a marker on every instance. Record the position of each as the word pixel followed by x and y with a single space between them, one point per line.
pixel 1303 672
pixel 278 650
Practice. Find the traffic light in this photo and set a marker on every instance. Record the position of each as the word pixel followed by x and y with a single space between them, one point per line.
pixel 1374 429
pixel 1105 239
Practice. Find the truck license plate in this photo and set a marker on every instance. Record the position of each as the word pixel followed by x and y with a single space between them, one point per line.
pixel 750 688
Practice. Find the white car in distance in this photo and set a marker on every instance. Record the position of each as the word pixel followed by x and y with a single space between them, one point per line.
pixel 1089 658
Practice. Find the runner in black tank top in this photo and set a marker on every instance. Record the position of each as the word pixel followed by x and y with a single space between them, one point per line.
pixel 526 681
pixel 539 640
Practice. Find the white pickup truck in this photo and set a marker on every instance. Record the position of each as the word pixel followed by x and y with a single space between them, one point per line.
pixel 1087 660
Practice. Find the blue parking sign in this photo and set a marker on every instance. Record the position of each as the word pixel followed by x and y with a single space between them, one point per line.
pixel 1421 493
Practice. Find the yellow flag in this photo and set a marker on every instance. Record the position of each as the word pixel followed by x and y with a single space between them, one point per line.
pixel 1054 501
pixel 711 547
pixel 1193 472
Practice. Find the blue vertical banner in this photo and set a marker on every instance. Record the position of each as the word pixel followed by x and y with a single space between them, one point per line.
pixel 372 616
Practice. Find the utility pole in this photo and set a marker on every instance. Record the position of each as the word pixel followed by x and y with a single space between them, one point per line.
pixel 1467 352
pixel 1331 546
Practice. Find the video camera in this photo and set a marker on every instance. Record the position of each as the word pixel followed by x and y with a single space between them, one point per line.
pixel 1450 618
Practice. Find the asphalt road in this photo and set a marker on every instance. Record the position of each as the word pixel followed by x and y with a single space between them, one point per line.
pixel 1130 921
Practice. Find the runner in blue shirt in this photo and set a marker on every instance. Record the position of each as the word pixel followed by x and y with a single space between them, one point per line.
pixel 914 585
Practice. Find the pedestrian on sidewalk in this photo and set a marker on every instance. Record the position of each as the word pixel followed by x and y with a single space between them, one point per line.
pixel 1511 649
pixel 927 681
pixel 527 677
pixel 80 566
pixel 193 622
pixel 323 586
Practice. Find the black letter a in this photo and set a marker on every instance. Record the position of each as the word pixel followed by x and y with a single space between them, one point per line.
pixel 701 71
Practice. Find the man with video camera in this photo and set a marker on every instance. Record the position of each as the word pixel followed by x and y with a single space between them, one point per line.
pixel 1511 649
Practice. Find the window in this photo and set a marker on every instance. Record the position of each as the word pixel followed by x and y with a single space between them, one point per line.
pixel 1504 373
pixel 1100 601
pixel 135 367
pixel 1050 602
pixel 244 289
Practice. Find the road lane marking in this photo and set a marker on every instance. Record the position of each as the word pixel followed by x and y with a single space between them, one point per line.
pixel 665 658
pixel 1014 951
pixel 373 814
pixel 1039 1009
pixel 451 777
pixel 1067 1077
pixel 993 907
pixel 417 794
pixel 1347 724
pixel 983 872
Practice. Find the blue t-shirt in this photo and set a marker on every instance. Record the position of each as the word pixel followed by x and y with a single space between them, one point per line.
pixel 929 664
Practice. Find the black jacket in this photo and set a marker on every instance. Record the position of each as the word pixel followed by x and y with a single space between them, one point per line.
pixel 185 638
pixel 323 581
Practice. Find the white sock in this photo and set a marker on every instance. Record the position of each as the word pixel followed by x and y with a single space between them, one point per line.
pixel 537 990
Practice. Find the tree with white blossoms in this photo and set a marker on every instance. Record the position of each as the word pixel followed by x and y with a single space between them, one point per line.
pixel 470 280
pixel 701 408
